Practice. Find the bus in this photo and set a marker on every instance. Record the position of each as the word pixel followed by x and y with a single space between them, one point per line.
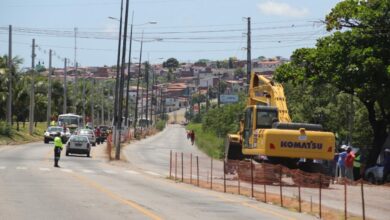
pixel 72 121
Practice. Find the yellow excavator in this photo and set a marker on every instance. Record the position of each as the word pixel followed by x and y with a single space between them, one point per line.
pixel 267 134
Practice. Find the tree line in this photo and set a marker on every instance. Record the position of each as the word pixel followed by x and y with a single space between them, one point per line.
pixel 342 83
pixel 97 94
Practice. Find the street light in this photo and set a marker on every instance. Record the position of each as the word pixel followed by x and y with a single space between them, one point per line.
pixel 113 18
pixel 129 66
pixel 129 61
pixel 149 22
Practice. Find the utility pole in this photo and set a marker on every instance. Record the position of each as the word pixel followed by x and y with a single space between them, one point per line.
pixel 76 88
pixel 128 72
pixel 122 81
pixel 248 55
pixel 83 97
pixel 207 97
pixel 92 95
pixel 65 88
pixel 32 92
pixel 102 103
pixel 161 104
pixel 117 79
pixel 138 79
pixel 152 98
pixel 10 78
pixel 219 89
pixel 147 91
pixel 198 93
pixel 142 109
pixel 48 117
pixel 76 91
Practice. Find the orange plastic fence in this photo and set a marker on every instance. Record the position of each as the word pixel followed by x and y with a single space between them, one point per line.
pixel 235 176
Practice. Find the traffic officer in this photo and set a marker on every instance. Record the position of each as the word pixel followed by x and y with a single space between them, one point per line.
pixel 57 149
pixel 357 167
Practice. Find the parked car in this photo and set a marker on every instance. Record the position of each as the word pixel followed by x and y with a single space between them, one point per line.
pixel 88 133
pixel 52 131
pixel 375 174
pixel 78 144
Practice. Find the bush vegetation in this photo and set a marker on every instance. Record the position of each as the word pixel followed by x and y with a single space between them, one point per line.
pixel 160 124
pixel 5 129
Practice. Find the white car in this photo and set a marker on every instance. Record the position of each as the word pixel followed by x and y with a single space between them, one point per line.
pixel 78 144
pixel 52 131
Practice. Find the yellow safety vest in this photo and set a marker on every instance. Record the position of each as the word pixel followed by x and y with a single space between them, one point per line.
pixel 58 142
pixel 356 162
pixel 52 123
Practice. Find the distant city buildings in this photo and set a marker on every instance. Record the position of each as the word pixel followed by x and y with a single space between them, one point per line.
pixel 188 78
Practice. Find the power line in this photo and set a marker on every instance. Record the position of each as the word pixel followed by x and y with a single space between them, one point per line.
pixel 110 36
pixel 171 51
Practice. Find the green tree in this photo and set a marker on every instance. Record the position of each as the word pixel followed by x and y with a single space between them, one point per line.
pixel 232 61
pixel 224 120
pixel 325 105
pixel 355 60
pixel 171 63
pixel 201 62
pixel 239 73
pixel 4 79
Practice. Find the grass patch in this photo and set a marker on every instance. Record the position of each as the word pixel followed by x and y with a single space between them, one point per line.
pixel 207 142
pixel 23 136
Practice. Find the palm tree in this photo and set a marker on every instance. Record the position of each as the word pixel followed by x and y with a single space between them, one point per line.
pixel 4 79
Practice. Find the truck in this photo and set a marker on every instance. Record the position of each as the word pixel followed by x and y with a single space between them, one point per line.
pixel 267 134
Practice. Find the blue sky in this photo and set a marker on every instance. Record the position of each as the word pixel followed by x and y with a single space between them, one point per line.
pixel 189 29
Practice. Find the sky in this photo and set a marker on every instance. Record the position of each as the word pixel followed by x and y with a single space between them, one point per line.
pixel 188 30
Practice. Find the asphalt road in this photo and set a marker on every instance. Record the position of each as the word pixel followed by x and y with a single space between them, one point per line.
pixel 91 188
pixel 153 154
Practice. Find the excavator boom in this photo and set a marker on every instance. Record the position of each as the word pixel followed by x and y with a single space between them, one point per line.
pixel 267 129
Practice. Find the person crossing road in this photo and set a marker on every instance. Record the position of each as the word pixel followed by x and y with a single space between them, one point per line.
pixel 57 149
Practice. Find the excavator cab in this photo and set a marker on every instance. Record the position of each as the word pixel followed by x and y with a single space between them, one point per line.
pixel 258 117
pixel 266 116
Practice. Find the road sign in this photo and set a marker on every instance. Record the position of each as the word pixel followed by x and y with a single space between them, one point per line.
pixel 229 98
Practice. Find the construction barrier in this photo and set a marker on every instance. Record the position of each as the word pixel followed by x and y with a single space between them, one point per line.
pixel 264 182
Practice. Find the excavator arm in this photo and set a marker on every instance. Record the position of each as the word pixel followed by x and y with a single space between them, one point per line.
pixel 268 131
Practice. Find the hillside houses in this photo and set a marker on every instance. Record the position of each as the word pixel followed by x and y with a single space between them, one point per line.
pixel 187 78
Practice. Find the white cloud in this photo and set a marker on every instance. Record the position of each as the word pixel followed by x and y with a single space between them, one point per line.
pixel 281 9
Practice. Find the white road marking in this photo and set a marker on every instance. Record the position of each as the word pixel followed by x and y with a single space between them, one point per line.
pixel 131 172
pixel 44 169
pixel 2 168
pixel 21 168
pixel 88 171
pixel 67 170
pixel 152 173
pixel 109 171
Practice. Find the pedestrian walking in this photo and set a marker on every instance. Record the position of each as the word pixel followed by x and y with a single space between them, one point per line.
pixel 349 163
pixel 341 162
pixel 192 137
pixel 97 135
pixel 57 149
